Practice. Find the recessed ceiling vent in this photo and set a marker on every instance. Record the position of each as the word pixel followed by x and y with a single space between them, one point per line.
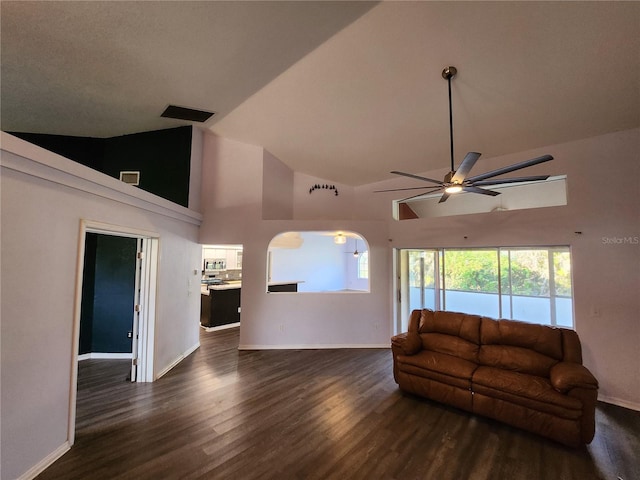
pixel 183 113
pixel 132 178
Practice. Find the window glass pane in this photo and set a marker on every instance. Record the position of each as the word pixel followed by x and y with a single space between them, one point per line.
pixel 472 302
pixel 564 312
pixel 506 306
pixel 471 270
pixel 422 278
pixel 363 265
pixel 562 271
pixel 471 281
pixel 531 309
pixel 505 274
pixel 530 272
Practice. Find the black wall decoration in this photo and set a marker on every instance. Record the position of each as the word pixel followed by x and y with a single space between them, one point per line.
pixel 323 187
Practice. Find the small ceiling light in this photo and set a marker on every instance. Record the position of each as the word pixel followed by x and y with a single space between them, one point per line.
pixel 340 239
pixel 356 254
pixel 453 188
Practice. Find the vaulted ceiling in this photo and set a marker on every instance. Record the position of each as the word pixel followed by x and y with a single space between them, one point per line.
pixel 345 91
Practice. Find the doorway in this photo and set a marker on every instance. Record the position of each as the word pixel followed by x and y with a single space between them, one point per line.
pixel 141 283
pixel 109 288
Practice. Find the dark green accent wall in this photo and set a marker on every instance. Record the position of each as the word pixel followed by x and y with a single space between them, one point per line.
pixel 163 157
pixel 88 283
pixel 85 150
pixel 108 294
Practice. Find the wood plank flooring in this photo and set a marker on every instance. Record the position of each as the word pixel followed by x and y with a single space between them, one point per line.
pixel 309 414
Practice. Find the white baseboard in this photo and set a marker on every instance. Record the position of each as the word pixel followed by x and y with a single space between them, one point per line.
pixel 619 402
pixel 220 327
pixel 113 356
pixel 47 461
pixel 181 357
pixel 312 347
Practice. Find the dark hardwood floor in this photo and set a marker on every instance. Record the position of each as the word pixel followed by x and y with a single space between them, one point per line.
pixel 309 414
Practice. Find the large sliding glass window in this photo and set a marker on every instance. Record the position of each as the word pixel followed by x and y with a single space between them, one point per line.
pixel 529 284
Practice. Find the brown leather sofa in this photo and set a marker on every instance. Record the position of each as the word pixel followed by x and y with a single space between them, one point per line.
pixel 526 375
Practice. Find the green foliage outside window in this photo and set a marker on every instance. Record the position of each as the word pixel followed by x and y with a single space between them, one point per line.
pixel 522 271
pixel 471 270
pixel 562 269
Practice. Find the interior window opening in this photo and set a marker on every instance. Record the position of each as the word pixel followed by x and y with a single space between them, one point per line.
pixel 318 261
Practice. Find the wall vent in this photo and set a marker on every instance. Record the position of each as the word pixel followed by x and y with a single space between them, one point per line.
pixel 184 113
pixel 132 178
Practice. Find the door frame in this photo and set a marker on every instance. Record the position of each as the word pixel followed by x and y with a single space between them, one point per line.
pixel 146 283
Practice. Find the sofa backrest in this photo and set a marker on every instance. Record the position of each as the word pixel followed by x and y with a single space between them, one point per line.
pixel 452 333
pixel 507 344
pixel 519 346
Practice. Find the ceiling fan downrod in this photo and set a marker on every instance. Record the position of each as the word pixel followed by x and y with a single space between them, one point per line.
pixel 448 73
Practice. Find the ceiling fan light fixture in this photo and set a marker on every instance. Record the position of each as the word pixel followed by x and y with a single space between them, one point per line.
pixel 453 189
pixel 356 254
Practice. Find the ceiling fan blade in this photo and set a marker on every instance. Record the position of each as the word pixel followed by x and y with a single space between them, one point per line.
pixel 482 191
pixel 465 167
pixel 419 195
pixel 417 177
pixel 511 168
pixel 444 197
pixel 498 181
pixel 402 189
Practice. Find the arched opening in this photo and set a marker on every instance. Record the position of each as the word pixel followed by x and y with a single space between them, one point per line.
pixel 320 262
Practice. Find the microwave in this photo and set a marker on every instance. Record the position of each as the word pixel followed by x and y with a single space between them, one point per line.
pixel 212 265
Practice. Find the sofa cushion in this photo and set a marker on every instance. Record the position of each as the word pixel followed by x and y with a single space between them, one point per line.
pixel 451 345
pixel 527 390
pixel 438 362
pixel 540 338
pixel 516 359
pixel 451 323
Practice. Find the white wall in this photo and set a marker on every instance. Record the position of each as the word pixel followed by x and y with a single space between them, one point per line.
pixel 303 320
pixel 277 189
pixel 231 190
pixel 44 198
pixel 321 204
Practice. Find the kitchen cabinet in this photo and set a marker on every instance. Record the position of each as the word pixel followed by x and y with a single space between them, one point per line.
pixel 221 306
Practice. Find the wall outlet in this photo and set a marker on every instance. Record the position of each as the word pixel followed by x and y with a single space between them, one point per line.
pixel 281 327
pixel 129 334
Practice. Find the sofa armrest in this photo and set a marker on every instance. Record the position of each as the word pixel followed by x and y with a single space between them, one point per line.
pixel 408 343
pixel 565 376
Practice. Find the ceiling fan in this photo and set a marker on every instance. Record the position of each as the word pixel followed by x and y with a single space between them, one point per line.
pixel 458 180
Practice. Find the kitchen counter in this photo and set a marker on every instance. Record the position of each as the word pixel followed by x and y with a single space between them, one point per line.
pixel 222 286
pixel 272 286
pixel 220 303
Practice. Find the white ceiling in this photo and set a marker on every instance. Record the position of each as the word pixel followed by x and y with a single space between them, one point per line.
pixel 346 91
